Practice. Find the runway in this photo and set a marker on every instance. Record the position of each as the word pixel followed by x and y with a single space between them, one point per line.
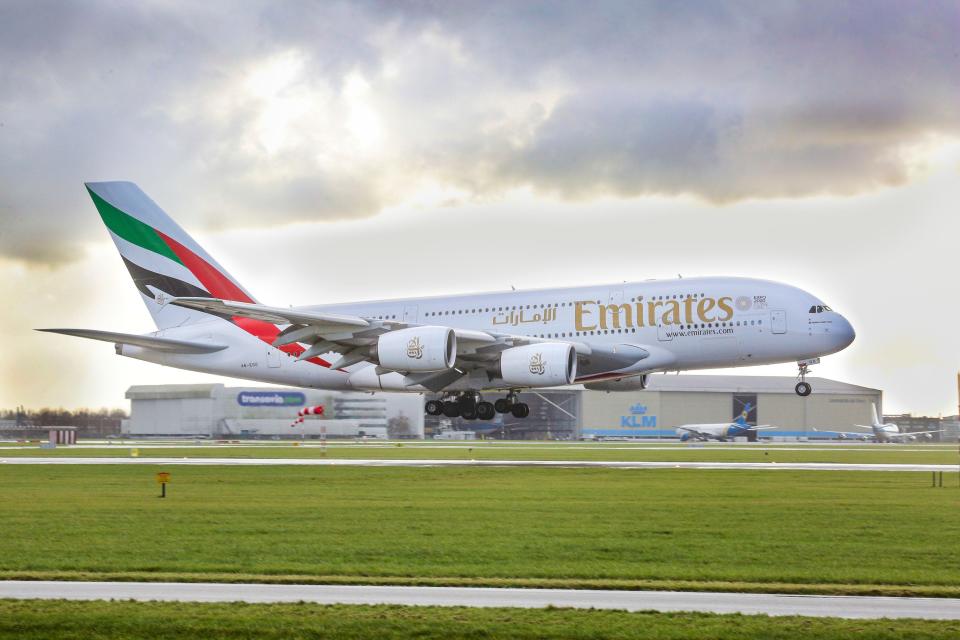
pixel 327 462
pixel 705 602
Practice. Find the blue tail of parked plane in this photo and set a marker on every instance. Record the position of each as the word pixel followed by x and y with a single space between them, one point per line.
pixel 742 420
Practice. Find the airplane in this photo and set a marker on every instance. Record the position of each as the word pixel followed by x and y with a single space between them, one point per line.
pixel 721 431
pixel 609 337
pixel 885 431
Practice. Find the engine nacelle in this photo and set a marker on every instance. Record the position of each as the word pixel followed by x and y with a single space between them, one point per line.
pixel 418 349
pixel 539 365
pixel 632 383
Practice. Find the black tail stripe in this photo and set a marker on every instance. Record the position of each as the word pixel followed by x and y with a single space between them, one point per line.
pixel 171 286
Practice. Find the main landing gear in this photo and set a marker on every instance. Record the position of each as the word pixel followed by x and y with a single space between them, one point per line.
pixel 803 387
pixel 470 406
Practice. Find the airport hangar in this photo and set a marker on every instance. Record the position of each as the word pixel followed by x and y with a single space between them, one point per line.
pixel 215 410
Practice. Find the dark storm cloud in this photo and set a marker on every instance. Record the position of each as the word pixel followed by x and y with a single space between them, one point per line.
pixel 721 101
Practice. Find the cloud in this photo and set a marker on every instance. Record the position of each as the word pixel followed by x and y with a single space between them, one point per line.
pixel 289 112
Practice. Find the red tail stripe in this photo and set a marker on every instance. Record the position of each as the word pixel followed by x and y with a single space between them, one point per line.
pixel 212 280
pixel 268 333
pixel 222 287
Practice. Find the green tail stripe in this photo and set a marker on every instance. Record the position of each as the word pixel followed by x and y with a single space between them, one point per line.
pixel 131 229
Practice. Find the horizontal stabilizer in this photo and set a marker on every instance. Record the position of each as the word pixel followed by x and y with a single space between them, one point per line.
pixel 147 342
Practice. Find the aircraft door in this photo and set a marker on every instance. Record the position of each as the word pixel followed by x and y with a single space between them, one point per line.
pixel 410 313
pixel 273 358
pixel 664 332
pixel 778 321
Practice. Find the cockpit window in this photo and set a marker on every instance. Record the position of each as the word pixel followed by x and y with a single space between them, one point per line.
pixel 813 309
pixel 819 308
pixel 826 308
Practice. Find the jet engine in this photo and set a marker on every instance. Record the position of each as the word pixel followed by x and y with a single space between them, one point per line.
pixel 539 365
pixel 632 383
pixel 418 349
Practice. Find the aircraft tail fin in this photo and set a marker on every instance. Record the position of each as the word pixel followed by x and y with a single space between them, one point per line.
pixel 162 258
pixel 876 419
pixel 742 418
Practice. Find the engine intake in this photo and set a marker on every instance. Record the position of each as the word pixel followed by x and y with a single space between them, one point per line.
pixel 539 365
pixel 418 349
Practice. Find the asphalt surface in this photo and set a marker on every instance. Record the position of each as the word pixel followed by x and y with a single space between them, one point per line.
pixel 782 466
pixel 707 602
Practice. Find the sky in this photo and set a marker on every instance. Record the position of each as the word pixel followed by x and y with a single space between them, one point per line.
pixel 336 151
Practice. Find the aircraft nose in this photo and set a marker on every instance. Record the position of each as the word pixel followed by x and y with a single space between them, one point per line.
pixel 844 333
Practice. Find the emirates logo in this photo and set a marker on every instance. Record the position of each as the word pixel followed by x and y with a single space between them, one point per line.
pixel 538 366
pixel 415 349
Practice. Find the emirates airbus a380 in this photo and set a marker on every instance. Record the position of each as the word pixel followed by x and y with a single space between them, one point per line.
pixel 609 337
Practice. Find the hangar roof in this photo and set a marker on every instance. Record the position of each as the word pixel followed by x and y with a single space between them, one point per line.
pixel 171 391
pixel 751 384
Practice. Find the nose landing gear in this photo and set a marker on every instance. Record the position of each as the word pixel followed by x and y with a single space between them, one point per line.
pixel 803 387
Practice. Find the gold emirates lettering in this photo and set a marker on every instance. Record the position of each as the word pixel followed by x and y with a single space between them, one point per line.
pixel 590 316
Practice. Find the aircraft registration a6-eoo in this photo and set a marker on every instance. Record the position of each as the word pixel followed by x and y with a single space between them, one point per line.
pixel 608 337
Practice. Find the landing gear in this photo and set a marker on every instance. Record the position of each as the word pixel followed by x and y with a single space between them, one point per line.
pixel 451 409
pixel 470 406
pixel 485 411
pixel 520 410
pixel 803 387
pixel 466 405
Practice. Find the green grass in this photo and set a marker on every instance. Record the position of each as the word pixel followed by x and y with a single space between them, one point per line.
pixel 848 453
pixel 735 530
pixel 43 620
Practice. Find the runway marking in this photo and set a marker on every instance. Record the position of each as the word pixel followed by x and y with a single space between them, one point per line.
pixel 766 466
pixel 706 602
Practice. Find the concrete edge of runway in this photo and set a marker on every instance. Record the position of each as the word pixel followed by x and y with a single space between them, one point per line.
pixel 768 466
pixel 862 607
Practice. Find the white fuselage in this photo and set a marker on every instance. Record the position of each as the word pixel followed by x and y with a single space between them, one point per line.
pixel 683 324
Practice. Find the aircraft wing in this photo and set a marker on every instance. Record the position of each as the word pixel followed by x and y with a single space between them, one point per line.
pixel 915 433
pixel 147 342
pixel 350 336
pixel 849 434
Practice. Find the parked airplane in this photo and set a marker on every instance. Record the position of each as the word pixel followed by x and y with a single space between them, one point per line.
pixel 885 431
pixel 721 431
pixel 608 337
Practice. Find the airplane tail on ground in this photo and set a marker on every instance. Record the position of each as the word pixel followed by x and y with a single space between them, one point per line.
pixel 876 419
pixel 162 258
pixel 742 418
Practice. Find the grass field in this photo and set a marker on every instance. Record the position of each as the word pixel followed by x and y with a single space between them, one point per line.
pixel 713 452
pixel 36 620
pixel 820 532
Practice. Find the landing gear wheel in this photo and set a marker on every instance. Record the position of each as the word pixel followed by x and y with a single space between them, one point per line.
pixel 502 405
pixel 803 388
pixel 469 413
pixel 485 411
pixel 451 409
pixel 433 407
pixel 520 410
pixel 467 402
